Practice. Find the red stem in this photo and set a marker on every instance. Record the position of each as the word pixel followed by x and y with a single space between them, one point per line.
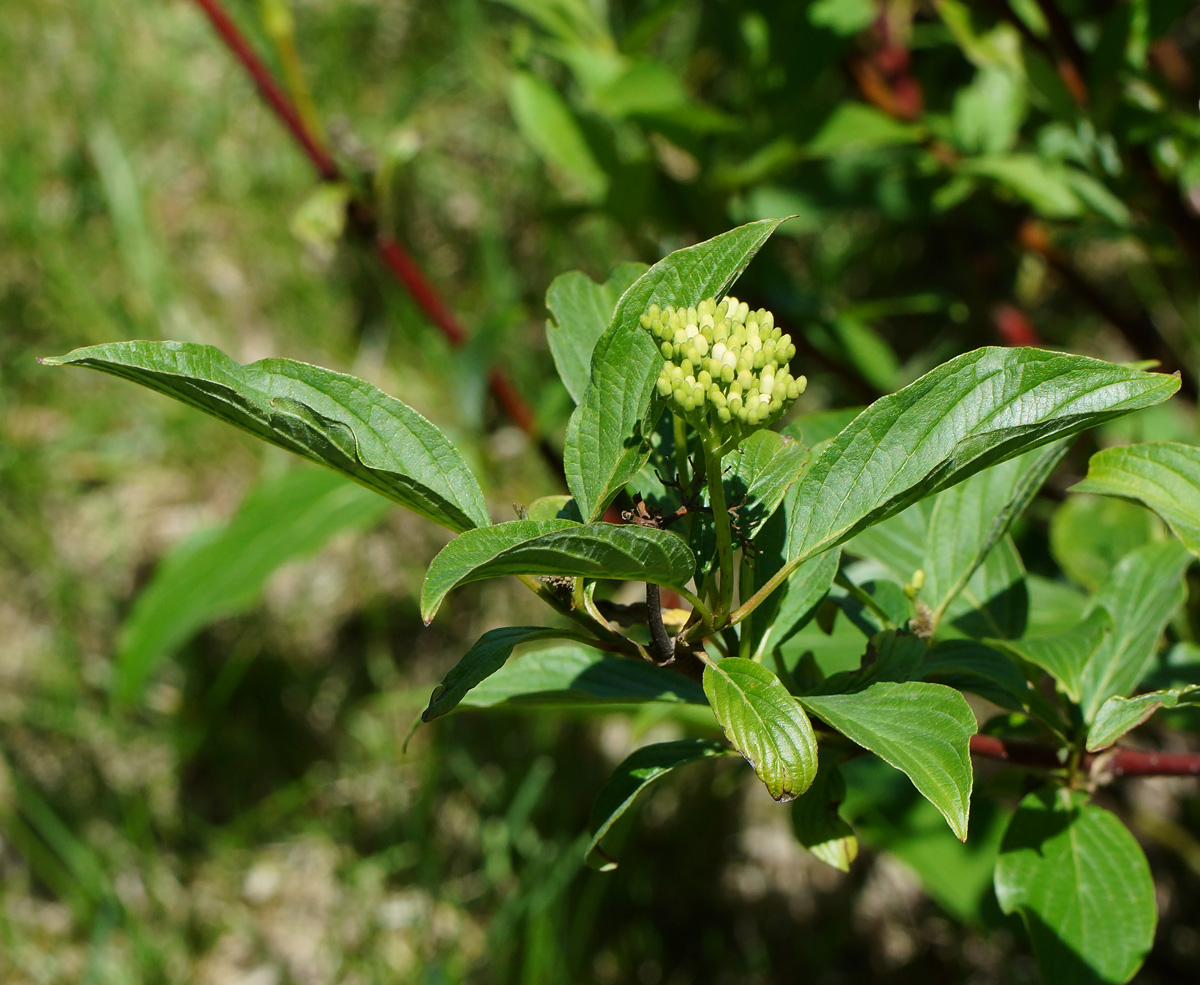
pixel 1115 762
pixel 398 260
pixel 268 89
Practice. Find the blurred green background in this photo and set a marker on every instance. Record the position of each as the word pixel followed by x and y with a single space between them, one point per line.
pixel 1018 172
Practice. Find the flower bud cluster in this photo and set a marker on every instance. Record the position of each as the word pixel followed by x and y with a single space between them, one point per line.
pixel 724 363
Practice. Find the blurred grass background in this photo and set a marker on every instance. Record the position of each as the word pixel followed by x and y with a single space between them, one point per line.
pixel 254 820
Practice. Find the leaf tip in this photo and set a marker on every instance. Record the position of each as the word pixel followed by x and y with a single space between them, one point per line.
pixel 50 360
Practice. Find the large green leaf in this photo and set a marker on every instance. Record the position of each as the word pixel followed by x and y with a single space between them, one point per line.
pixel 330 418
pixel 634 775
pixel 922 729
pixel 976 410
pixel 1163 475
pixel 574 676
pixel 220 572
pixel 1141 595
pixel 582 310
pixel 486 657
pixel 607 436
pixel 764 723
pixel 546 121
pixel 1119 715
pixel 1081 884
pixel 557 547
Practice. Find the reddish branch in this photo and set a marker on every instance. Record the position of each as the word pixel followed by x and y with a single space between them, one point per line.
pixel 397 260
pixel 1112 762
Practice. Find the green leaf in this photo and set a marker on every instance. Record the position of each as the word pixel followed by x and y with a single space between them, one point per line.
pixel 949 535
pixel 1081 884
pixel 1044 185
pixel 1120 715
pixel 557 547
pixel 1062 655
pixel 790 606
pixel 761 469
pixel 582 310
pixel 571 676
pixel 857 127
pixel 1141 595
pixel 329 418
pixel 764 723
pixel 221 572
pixel 550 508
pixel 607 437
pixel 486 657
pixel 988 113
pixel 967 665
pixel 1090 534
pixel 924 730
pixel 1162 475
pixel 975 411
pixel 633 776
pixel 546 121
pixel 816 821
pixel 995 601
pixel 969 519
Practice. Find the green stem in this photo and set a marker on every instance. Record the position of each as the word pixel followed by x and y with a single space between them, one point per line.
pixel 864 598
pixel 716 496
pixel 745 632
pixel 593 622
pixel 682 468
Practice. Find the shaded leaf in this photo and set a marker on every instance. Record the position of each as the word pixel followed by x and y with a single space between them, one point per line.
pixel 330 418
pixel 486 657
pixel 557 547
pixel 922 729
pixel 633 776
pixel 608 434
pixel 816 821
pixel 764 723
pixel 1082 886
pixel 1063 655
pixel 1163 475
pixel 582 310
pixel 566 676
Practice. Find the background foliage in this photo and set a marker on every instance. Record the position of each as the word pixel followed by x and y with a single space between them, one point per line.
pixel 963 175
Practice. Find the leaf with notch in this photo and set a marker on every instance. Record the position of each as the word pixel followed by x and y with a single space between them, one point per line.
pixel 582 310
pixel 1081 884
pixel 764 723
pixel 607 435
pixel 557 547
pixel 924 730
pixel 972 412
pixel 633 776
pixel 1120 715
pixel 327 417
pixel 577 676
pixel 1162 475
